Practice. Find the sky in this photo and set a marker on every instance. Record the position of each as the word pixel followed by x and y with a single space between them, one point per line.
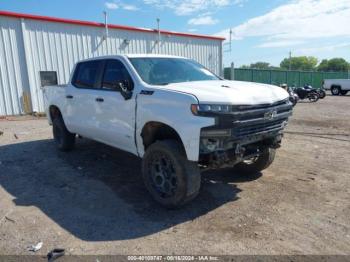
pixel 262 30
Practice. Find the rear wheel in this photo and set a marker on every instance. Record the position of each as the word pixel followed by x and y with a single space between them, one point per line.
pixel 335 90
pixel 64 139
pixel 257 164
pixel 343 92
pixel 171 179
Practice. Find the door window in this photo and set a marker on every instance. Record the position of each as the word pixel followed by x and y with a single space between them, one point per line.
pixel 87 74
pixel 115 75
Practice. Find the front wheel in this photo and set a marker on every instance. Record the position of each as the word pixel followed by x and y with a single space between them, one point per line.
pixel 322 94
pixel 313 97
pixel 171 179
pixel 343 92
pixel 257 164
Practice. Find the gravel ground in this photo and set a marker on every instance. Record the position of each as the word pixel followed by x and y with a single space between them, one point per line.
pixel 92 200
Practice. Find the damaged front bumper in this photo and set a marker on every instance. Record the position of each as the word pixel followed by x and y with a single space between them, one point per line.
pixel 243 134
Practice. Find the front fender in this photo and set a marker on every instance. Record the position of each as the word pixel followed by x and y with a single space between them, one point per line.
pixel 173 109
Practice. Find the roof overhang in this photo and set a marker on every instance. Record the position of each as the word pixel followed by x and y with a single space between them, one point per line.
pixel 95 24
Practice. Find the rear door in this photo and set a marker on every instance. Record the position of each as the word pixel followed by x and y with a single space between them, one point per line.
pixel 81 104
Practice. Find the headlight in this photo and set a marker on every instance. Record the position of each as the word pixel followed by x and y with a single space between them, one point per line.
pixel 207 108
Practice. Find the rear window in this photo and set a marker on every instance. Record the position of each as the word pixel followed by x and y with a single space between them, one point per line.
pixel 87 74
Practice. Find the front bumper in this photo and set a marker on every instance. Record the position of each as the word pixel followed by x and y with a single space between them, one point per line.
pixel 243 131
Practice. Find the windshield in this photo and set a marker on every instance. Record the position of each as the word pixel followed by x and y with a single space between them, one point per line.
pixel 163 71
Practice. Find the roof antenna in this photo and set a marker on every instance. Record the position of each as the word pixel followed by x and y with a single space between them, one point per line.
pixel 106 26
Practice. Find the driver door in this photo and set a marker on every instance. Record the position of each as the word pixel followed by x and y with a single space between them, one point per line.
pixel 115 114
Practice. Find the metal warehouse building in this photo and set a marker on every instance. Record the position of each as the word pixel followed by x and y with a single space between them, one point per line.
pixel 35 49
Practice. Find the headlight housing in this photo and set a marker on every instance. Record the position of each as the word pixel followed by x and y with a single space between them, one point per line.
pixel 203 109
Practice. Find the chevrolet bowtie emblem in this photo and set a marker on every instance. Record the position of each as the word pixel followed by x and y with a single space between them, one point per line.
pixel 270 115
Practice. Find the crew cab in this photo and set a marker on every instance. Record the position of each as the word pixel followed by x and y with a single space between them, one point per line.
pixel 337 86
pixel 172 112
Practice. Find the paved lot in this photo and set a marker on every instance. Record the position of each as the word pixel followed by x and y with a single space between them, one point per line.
pixel 92 200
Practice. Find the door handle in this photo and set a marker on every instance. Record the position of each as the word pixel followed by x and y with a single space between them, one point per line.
pixel 69 96
pixel 99 99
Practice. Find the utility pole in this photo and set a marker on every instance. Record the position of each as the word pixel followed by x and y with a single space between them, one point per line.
pixel 290 60
pixel 230 40
pixel 106 25
pixel 232 71
pixel 158 28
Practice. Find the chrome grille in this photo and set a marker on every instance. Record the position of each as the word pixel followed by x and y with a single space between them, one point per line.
pixel 251 120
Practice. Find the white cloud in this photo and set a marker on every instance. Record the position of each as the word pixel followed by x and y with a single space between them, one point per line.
pixel 192 30
pixel 297 20
pixel 203 20
pixel 321 49
pixel 189 7
pixel 111 5
pixel 285 43
pixel 118 4
pixel 129 7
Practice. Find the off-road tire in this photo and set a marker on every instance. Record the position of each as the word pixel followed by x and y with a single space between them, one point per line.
pixel 343 92
pixel 64 139
pixel 186 174
pixel 335 90
pixel 263 161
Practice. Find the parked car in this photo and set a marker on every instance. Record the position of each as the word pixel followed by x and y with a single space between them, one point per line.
pixel 337 86
pixel 172 112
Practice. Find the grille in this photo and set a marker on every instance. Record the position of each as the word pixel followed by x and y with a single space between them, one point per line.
pixel 258 128
pixel 250 120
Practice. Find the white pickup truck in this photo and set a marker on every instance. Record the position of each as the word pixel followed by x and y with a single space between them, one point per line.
pixel 337 86
pixel 174 114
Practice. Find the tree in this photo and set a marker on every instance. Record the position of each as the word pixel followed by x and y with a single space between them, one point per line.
pixel 323 66
pixel 260 65
pixel 306 63
pixel 257 65
pixel 334 65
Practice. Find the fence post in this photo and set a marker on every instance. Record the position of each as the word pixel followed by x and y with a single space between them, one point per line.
pixel 232 76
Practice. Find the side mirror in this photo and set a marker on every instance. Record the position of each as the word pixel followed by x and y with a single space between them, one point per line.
pixel 126 88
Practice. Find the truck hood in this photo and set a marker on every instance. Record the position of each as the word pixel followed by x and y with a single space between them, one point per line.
pixel 231 92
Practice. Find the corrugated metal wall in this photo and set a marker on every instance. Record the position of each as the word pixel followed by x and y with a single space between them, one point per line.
pixel 30 46
pixel 13 75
